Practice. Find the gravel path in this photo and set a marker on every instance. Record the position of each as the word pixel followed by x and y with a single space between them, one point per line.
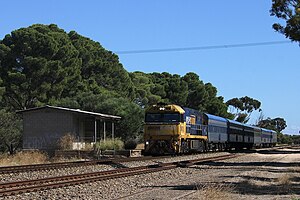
pixel 265 175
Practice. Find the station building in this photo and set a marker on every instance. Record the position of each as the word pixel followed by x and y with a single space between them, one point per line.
pixel 44 126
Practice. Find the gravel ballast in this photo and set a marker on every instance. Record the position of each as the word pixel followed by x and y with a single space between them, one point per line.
pixel 251 176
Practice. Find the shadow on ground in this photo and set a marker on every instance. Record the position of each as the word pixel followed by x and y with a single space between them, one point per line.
pixel 253 164
pixel 243 187
pixel 251 185
pixel 268 151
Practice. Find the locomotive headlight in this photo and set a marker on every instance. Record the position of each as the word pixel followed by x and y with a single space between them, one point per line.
pixel 147 142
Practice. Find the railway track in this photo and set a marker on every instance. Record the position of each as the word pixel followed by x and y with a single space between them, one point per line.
pixel 12 188
pixel 61 165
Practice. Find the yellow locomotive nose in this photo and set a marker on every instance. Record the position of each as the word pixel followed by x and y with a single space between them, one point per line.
pixel 169 130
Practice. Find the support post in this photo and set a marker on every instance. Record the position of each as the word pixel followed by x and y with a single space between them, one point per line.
pixel 95 131
pixel 104 131
pixel 113 134
pixel 113 130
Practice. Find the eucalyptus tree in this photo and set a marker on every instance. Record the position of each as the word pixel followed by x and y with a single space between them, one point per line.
pixel 288 11
pixel 243 107
pixel 277 124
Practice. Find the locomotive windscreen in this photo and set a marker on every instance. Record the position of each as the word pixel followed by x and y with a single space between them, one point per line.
pixel 163 117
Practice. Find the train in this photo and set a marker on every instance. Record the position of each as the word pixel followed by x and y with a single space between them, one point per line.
pixel 172 129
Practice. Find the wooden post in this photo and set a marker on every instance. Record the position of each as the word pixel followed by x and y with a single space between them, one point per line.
pixel 104 131
pixel 95 131
pixel 113 134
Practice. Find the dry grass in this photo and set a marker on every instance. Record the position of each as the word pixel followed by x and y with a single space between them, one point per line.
pixel 24 158
pixel 66 142
pixel 284 181
pixel 88 147
pixel 110 144
pixel 215 192
pixel 59 159
pixel 140 146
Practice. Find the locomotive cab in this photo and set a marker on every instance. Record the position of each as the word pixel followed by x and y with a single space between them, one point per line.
pixel 171 129
pixel 163 127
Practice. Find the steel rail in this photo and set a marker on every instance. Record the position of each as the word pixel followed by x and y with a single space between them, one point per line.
pixel 18 187
pixel 60 165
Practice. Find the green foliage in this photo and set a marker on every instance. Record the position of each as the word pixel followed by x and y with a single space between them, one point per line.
pixel 244 106
pixel 101 67
pixel 289 11
pixel 38 63
pixel 42 64
pixel 110 144
pixel 130 144
pixel 296 139
pixel 187 91
pixel 277 124
pixel 2 89
pixel 171 88
pixel 132 116
pixel 215 104
pixel 10 131
pixel 284 139
pixel 197 95
pixel 146 91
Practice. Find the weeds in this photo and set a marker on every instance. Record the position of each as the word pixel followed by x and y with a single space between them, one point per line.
pixel 215 192
pixel 110 144
pixel 24 158
pixel 285 179
pixel 285 182
pixel 66 142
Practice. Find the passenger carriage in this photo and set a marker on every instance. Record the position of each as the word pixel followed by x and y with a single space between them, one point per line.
pixel 216 132
pixel 235 132
pixel 266 137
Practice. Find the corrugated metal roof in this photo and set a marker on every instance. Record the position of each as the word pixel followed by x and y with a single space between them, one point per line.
pixel 72 110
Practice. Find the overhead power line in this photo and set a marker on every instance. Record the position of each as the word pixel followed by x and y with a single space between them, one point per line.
pixel 226 46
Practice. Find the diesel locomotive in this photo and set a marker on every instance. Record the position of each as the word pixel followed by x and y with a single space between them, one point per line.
pixel 172 129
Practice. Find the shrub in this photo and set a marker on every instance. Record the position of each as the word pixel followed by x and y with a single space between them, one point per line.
pixel 130 144
pixel 66 142
pixel 24 158
pixel 88 147
pixel 110 144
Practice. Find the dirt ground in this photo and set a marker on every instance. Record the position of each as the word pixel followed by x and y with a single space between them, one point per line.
pixel 264 174
pixel 258 174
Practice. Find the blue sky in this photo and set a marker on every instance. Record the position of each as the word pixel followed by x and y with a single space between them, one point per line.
pixel 267 73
